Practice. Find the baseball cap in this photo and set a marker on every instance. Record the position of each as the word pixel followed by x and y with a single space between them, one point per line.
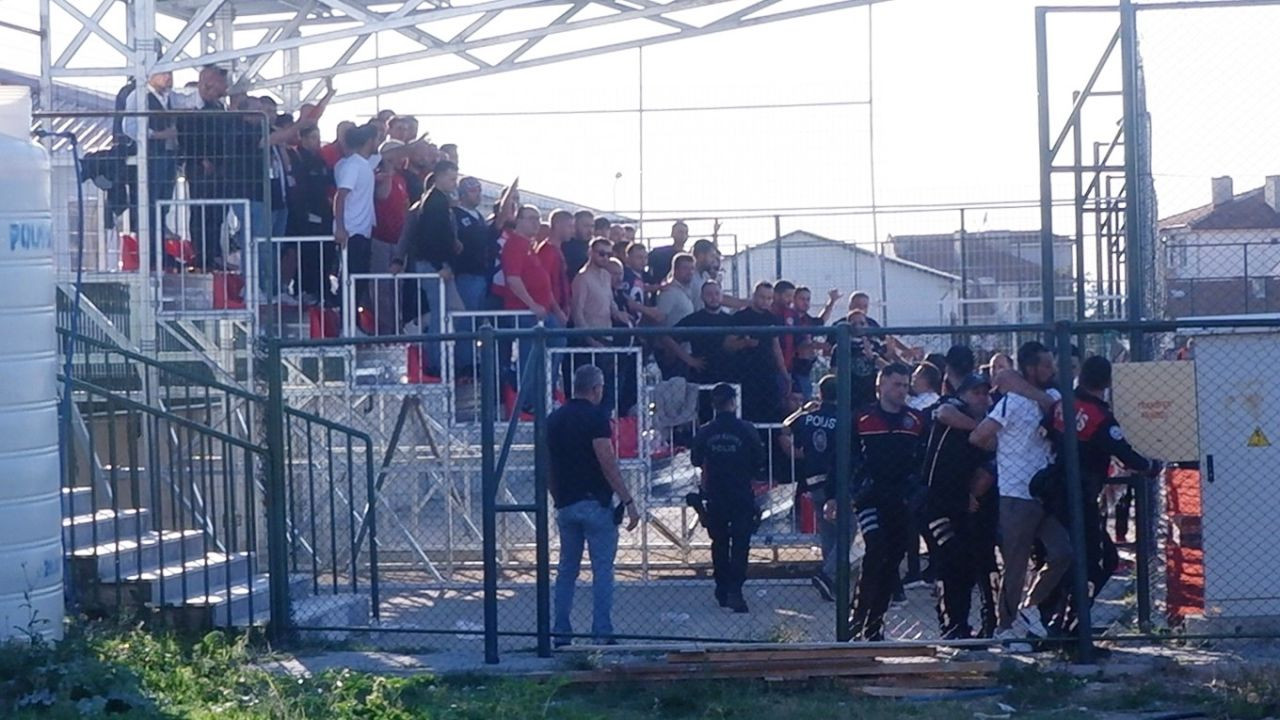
pixel 467 183
pixel 972 381
pixel 723 392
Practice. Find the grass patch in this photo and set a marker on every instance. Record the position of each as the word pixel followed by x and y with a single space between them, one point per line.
pixel 111 672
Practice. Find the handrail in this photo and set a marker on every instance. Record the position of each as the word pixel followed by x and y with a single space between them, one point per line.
pixel 162 414
pixel 159 365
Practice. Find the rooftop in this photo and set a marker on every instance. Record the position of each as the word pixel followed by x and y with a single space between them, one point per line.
pixel 987 254
pixel 1247 211
pixel 804 238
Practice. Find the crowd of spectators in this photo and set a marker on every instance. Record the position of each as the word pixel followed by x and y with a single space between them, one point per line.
pixel 397 202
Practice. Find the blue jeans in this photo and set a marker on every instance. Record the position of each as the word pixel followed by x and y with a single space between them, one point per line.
pixel 590 522
pixel 474 291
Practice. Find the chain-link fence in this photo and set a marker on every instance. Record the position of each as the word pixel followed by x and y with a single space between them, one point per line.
pixel 459 491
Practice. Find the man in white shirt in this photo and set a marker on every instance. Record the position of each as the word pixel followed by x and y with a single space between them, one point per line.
pixel 1014 427
pixel 354 175
pixel 162 145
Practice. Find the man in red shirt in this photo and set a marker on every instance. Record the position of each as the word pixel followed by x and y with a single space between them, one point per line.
pixel 551 255
pixel 528 283
pixel 336 150
pixel 390 205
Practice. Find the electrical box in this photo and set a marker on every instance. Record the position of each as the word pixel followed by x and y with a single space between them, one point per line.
pixel 1238 399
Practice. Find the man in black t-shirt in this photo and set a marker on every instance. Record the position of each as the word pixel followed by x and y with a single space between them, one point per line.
pixel 577 249
pixel 958 478
pixel 584 478
pixel 868 358
pixel 757 359
pixel 731 456
pixel 703 355
pixel 661 258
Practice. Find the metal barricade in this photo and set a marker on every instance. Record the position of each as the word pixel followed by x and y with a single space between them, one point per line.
pixel 223 289
pixel 389 304
pixel 465 363
pixel 303 297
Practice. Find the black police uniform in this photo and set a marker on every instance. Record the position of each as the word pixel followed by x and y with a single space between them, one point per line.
pixel 890 448
pixel 731 455
pixel 813 434
pixel 954 533
pixel 1100 438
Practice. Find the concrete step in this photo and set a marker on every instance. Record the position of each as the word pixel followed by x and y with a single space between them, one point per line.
pixel 103 526
pixel 247 604
pixel 208 574
pixel 77 501
pixel 228 607
pixel 133 557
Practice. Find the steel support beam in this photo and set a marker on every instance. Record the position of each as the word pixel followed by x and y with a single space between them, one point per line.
pixel 716 26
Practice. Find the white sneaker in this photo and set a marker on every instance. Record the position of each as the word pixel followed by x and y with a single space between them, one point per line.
pixel 1012 642
pixel 1034 626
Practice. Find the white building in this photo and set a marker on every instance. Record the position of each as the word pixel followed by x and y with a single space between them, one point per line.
pixel 915 295
pixel 1223 258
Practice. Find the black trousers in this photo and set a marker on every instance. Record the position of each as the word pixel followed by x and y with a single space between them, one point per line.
pixel 885 531
pixel 956 558
pixel 730 522
pixel 206 233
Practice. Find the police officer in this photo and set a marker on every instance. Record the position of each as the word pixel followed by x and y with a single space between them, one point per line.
pixel 1100 439
pixel 731 456
pixel 958 478
pixel 809 437
pixel 888 436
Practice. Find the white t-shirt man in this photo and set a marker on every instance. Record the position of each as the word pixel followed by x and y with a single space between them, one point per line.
pixel 355 174
pixel 1022 449
pixel 674 303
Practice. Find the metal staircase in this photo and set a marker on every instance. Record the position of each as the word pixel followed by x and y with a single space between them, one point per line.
pixel 164 501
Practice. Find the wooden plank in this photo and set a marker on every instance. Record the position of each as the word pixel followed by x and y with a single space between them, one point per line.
pixel 767 655
pixel 635 648
pixel 774 671
pixel 912 693
pixel 955 681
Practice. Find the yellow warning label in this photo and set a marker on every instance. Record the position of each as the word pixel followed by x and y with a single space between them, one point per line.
pixel 1258 439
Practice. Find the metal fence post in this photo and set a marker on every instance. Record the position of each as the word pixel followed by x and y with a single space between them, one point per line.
pixel 1075 496
pixel 277 513
pixel 1142 531
pixel 489 489
pixel 843 475
pixel 542 534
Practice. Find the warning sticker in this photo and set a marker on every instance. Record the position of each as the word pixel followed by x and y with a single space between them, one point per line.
pixel 1258 439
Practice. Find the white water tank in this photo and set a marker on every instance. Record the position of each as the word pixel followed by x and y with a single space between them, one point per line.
pixel 30 501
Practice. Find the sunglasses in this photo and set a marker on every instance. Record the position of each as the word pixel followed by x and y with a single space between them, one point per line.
pixel 603 253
